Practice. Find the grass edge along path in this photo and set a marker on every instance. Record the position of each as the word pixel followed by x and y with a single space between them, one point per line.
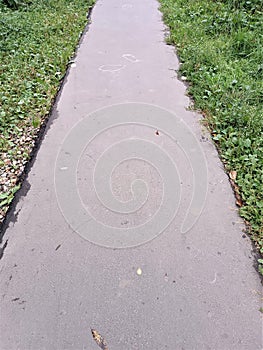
pixel 37 42
pixel 220 46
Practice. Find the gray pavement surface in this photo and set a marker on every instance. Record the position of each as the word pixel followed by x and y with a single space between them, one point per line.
pixel 181 290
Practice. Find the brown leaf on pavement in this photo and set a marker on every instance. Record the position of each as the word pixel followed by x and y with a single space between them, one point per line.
pixel 99 340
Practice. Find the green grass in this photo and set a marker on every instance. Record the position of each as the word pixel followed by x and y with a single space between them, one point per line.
pixel 37 40
pixel 220 45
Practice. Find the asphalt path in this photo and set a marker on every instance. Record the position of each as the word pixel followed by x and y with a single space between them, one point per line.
pixel 126 223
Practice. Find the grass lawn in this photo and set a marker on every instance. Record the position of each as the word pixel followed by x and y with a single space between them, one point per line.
pixel 37 40
pixel 220 45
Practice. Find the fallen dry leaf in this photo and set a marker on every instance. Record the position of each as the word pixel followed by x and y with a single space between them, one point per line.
pixel 99 340
pixel 233 175
pixel 239 200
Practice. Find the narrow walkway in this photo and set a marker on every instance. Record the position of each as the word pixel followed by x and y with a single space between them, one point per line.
pixel 180 282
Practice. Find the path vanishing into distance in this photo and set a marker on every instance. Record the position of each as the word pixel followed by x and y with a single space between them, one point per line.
pixel 126 223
